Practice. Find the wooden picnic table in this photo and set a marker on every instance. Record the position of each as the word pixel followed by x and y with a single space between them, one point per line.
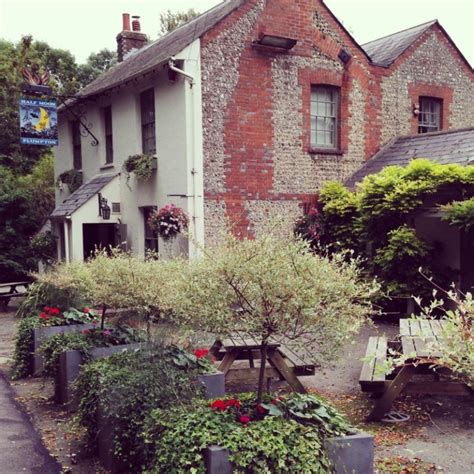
pixel 12 290
pixel 421 372
pixel 283 363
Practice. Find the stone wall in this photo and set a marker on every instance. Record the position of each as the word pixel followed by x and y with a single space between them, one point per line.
pixel 431 69
pixel 258 161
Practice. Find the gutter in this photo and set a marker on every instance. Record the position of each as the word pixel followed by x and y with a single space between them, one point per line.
pixel 171 65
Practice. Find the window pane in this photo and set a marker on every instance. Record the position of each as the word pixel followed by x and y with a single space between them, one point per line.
pixel 429 118
pixel 147 103
pixel 324 116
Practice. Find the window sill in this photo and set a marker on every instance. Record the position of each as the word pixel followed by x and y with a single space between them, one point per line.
pixel 110 166
pixel 325 151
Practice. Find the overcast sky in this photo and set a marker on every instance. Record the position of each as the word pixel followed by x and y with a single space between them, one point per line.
pixel 85 26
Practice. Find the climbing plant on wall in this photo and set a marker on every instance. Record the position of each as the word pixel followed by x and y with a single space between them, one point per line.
pixel 374 221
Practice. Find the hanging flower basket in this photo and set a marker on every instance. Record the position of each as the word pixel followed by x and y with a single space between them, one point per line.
pixel 168 221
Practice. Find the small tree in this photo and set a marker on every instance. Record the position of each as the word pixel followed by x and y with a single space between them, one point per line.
pixel 272 288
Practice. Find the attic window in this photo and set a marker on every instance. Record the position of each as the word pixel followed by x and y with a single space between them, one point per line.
pixel 429 117
pixel 276 42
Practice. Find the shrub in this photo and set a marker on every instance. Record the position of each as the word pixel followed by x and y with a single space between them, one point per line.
pixel 287 435
pixel 372 221
pixel 50 316
pixel 85 341
pixel 127 386
pixel 273 288
pixel 141 165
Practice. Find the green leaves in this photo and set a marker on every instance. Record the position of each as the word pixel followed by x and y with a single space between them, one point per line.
pixel 460 213
pixel 281 443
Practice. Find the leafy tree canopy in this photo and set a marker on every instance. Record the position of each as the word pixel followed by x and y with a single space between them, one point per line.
pixel 169 21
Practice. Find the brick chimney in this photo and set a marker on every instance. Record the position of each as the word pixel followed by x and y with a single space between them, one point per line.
pixel 130 39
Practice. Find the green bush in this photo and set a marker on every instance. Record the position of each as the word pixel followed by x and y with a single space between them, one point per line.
pixel 51 316
pixel 373 221
pixel 41 294
pixel 127 386
pixel 85 341
pixel 284 436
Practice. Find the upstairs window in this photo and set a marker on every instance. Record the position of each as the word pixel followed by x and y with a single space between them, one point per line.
pixel 429 118
pixel 76 145
pixel 109 145
pixel 147 105
pixel 324 117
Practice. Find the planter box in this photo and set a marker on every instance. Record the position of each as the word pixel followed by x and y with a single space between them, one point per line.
pixel 214 384
pixel 70 364
pixel 42 334
pixel 214 387
pixel 349 454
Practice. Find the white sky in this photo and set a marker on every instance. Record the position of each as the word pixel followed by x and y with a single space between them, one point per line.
pixel 85 26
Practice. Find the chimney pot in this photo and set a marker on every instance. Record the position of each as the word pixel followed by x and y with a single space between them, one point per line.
pixel 125 21
pixel 136 23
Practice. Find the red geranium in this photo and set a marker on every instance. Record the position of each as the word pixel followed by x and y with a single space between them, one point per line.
pixel 244 419
pixel 219 405
pixel 86 310
pixel 44 316
pixel 261 410
pixel 200 353
pixel 54 311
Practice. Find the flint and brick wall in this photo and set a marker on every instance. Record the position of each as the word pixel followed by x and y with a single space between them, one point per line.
pixel 258 163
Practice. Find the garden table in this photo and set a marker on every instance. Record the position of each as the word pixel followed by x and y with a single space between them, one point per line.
pixel 421 372
pixel 12 290
pixel 284 363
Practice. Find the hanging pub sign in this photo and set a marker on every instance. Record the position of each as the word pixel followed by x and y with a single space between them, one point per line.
pixel 38 122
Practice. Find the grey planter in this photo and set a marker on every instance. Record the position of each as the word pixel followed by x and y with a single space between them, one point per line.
pixel 349 454
pixel 42 334
pixel 70 364
pixel 214 384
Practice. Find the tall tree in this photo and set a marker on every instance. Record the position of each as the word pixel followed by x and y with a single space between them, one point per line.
pixel 96 64
pixel 169 21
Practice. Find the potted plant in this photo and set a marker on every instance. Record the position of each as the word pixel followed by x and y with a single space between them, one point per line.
pixel 169 221
pixel 71 178
pixel 141 165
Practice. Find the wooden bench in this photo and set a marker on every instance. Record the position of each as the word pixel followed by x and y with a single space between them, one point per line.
pixel 284 363
pixel 12 291
pixel 372 376
pixel 421 360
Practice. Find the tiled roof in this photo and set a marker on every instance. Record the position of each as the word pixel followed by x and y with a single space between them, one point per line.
pixel 451 146
pixel 82 195
pixel 155 53
pixel 384 51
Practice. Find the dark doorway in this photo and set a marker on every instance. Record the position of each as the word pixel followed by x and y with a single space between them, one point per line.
pixel 467 259
pixel 98 236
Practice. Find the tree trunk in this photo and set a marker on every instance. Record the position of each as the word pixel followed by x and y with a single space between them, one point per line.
pixel 102 319
pixel 261 375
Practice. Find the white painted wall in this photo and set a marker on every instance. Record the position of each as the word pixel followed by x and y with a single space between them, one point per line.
pixel 178 114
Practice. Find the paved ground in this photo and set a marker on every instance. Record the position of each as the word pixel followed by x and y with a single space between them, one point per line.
pixel 21 448
pixel 446 439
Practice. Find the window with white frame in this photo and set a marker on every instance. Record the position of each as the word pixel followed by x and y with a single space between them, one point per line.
pixel 324 117
pixel 429 118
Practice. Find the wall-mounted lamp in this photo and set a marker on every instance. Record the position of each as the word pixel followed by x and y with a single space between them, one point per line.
pixel 104 208
pixel 272 41
pixel 416 109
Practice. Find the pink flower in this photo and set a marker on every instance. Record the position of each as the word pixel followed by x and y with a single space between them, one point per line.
pixel 86 310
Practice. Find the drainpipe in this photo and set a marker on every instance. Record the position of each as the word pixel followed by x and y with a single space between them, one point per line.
pixel 194 172
pixel 171 65
pixel 66 242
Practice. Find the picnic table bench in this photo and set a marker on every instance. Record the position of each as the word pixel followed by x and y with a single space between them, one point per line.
pixel 419 374
pixel 284 363
pixel 10 290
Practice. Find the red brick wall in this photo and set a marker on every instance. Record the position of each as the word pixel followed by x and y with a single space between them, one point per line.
pixel 245 173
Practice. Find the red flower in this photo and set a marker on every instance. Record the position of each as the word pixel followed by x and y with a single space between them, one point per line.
pixel 44 316
pixel 200 353
pixel 86 331
pixel 46 308
pixel 244 419
pixel 219 405
pixel 54 311
pixel 232 403
pixel 86 310
pixel 261 409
